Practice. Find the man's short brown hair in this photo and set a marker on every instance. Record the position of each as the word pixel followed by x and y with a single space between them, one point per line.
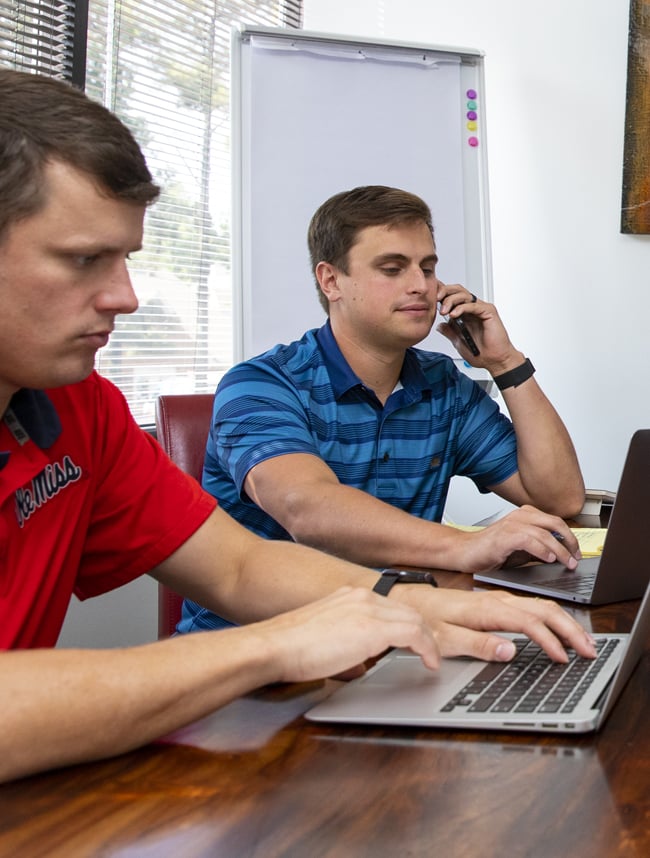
pixel 43 119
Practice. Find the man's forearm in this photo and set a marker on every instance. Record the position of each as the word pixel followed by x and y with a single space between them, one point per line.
pixel 69 706
pixel 244 578
pixel 353 524
pixel 548 466
pixel 90 704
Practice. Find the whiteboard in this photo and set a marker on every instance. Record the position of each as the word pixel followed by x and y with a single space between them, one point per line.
pixel 313 115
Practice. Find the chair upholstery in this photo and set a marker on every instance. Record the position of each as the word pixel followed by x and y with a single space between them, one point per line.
pixel 182 425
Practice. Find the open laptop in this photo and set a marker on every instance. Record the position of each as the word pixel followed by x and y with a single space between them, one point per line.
pixel 530 693
pixel 623 569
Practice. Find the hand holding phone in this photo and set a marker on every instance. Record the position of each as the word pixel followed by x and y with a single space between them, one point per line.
pixel 462 329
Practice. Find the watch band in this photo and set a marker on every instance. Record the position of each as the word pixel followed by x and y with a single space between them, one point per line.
pixel 516 376
pixel 390 577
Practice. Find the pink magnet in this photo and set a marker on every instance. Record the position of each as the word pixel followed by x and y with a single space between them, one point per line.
pixel 473 141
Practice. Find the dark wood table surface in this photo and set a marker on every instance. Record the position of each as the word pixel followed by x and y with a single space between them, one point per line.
pixel 257 779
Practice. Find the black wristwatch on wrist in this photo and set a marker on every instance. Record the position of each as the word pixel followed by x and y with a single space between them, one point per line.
pixel 390 577
pixel 515 376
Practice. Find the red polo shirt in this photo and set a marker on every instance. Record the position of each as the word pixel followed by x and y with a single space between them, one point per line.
pixel 88 501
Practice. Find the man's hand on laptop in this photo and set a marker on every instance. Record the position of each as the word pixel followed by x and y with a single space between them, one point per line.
pixel 525 534
pixel 341 632
pixel 337 634
pixel 466 622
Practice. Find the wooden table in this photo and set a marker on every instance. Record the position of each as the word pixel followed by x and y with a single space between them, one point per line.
pixel 256 779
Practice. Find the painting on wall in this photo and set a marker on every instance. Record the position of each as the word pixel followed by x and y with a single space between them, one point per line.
pixel 635 206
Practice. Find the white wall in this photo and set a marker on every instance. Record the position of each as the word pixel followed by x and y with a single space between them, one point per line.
pixel 572 290
pixel 124 617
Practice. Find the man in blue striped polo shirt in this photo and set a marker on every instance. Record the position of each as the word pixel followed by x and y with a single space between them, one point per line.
pixel 347 439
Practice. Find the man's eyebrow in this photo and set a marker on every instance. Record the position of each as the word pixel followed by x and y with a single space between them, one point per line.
pixel 383 258
pixel 92 248
pixel 390 257
pixel 432 257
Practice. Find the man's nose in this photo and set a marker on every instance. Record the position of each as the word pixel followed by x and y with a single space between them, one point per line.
pixel 417 281
pixel 119 295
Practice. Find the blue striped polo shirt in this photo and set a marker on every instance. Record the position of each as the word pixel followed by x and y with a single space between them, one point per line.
pixel 305 398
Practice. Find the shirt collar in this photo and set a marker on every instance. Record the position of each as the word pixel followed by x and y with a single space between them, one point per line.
pixel 35 414
pixel 338 369
pixel 343 378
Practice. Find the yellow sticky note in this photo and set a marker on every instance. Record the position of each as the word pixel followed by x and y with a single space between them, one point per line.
pixel 590 540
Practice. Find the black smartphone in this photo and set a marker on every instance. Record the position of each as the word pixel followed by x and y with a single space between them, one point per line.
pixel 463 330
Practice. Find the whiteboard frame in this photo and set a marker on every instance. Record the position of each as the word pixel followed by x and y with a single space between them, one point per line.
pixel 478 259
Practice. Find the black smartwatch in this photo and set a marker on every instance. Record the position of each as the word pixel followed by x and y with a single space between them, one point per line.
pixel 390 577
pixel 515 376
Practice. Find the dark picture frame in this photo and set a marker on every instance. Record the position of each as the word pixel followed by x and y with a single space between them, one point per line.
pixel 635 204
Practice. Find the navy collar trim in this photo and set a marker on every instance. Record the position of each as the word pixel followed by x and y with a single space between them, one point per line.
pixel 36 415
pixel 338 369
pixel 343 378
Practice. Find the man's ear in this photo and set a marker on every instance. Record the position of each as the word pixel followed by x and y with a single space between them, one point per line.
pixel 327 276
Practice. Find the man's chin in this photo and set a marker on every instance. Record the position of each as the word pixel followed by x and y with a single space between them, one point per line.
pixel 418 332
pixel 74 375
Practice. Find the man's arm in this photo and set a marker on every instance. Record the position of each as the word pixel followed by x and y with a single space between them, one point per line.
pixel 548 473
pixel 242 577
pixel 70 706
pixel 303 494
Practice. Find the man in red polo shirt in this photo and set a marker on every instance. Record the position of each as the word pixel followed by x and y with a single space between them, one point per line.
pixel 88 501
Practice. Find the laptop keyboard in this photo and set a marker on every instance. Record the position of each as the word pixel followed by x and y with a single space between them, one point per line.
pixel 582 584
pixel 532 682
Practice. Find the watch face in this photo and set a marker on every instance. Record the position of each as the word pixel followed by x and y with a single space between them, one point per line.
pixel 389 577
pixel 405 576
pixel 411 577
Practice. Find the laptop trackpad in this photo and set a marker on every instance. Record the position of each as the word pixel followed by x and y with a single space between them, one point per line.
pixel 549 571
pixel 400 689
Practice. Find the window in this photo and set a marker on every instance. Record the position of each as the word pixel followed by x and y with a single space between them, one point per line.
pixel 45 36
pixel 164 69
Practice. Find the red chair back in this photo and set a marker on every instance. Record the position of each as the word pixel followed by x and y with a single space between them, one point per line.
pixel 182 426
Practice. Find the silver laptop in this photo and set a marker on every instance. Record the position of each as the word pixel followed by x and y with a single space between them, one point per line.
pixel 530 693
pixel 623 569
